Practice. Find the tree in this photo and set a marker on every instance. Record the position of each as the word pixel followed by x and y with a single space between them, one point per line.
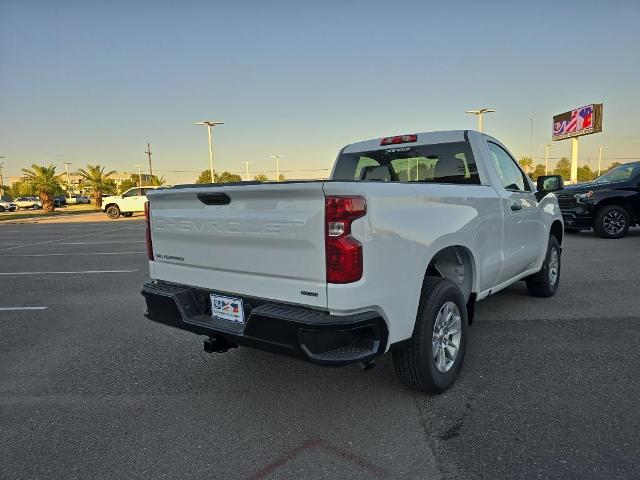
pixel 538 172
pixel 45 182
pixel 224 177
pixel 611 167
pixel 526 163
pixel 261 177
pixel 585 174
pixel 563 168
pixel 134 181
pixel 204 177
pixel 95 178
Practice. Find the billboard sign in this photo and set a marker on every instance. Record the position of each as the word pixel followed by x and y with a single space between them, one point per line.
pixel 577 122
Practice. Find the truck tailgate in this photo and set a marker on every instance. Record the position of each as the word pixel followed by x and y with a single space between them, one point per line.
pixel 262 240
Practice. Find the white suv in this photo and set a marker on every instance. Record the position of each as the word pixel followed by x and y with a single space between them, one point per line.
pixel 131 201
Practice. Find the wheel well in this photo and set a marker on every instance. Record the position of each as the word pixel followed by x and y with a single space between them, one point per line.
pixel 110 205
pixel 623 202
pixel 456 264
pixel 557 231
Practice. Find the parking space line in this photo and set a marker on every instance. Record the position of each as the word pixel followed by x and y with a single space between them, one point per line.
pixel 11 309
pixel 100 243
pixel 76 272
pixel 70 254
pixel 64 238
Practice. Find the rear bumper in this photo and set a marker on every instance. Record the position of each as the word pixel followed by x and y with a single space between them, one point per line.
pixel 294 331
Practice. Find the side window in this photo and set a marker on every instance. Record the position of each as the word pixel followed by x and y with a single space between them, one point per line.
pixel 508 170
pixel 132 193
pixel 145 190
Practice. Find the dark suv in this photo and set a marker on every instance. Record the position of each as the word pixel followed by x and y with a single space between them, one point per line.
pixel 610 204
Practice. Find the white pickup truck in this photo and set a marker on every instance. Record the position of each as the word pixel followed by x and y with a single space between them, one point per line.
pixel 131 201
pixel 391 254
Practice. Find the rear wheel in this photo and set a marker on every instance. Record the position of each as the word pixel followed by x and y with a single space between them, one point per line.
pixel 545 282
pixel 612 221
pixel 1 209
pixel 432 358
pixel 112 212
pixel 127 214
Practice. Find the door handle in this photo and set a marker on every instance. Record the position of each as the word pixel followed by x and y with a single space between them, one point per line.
pixel 516 206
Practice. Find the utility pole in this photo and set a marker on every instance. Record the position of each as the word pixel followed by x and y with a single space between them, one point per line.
pixel 148 152
pixel 1 178
pixel 139 173
pixel 209 125
pixel 277 157
pixel 600 159
pixel 479 114
pixel 247 166
pixel 66 168
pixel 546 157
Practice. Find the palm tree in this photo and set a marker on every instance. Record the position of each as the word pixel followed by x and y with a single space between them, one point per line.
pixel 44 181
pixel 98 181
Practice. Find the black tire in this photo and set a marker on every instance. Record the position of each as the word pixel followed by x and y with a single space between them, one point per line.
pixel 1 209
pixel 545 283
pixel 572 230
pixel 127 214
pixel 414 360
pixel 612 221
pixel 113 212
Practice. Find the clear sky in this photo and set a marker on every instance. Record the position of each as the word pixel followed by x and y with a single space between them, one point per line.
pixel 92 82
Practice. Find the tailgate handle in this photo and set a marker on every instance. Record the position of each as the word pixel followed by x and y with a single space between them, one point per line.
pixel 214 198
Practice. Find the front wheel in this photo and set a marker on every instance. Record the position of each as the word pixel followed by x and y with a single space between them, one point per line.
pixel 612 221
pixel 431 359
pixel 112 212
pixel 545 282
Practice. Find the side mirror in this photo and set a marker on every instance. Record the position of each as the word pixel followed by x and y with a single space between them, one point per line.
pixel 549 183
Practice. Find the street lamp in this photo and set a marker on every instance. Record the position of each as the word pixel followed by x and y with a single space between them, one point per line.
pixel 210 124
pixel 66 168
pixel 600 159
pixel 247 166
pixel 546 157
pixel 1 179
pixel 277 157
pixel 479 114
pixel 139 172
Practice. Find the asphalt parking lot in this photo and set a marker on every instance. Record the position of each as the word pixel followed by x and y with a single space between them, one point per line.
pixel 91 389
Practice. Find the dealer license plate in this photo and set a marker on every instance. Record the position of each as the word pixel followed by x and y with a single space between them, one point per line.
pixel 227 308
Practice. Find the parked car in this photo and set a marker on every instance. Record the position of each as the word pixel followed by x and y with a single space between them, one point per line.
pixel 28 202
pixel 59 201
pixel 391 254
pixel 8 207
pixel 610 204
pixel 133 200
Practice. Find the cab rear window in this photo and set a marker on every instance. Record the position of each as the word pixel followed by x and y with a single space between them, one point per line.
pixel 437 163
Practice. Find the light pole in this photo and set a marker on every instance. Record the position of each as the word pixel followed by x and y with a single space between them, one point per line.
pixel 1 178
pixel 277 157
pixel 546 157
pixel 66 168
pixel 600 159
pixel 139 173
pixel 247 169
pixel 210 124
pixel 479 114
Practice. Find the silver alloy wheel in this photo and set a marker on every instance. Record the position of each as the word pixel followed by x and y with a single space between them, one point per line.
pixel 553 266
pixel 614 222
pixel 447 332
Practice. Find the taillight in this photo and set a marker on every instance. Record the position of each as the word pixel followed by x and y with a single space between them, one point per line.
pixel 343 252
pixel 147 216
pixel 399 139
